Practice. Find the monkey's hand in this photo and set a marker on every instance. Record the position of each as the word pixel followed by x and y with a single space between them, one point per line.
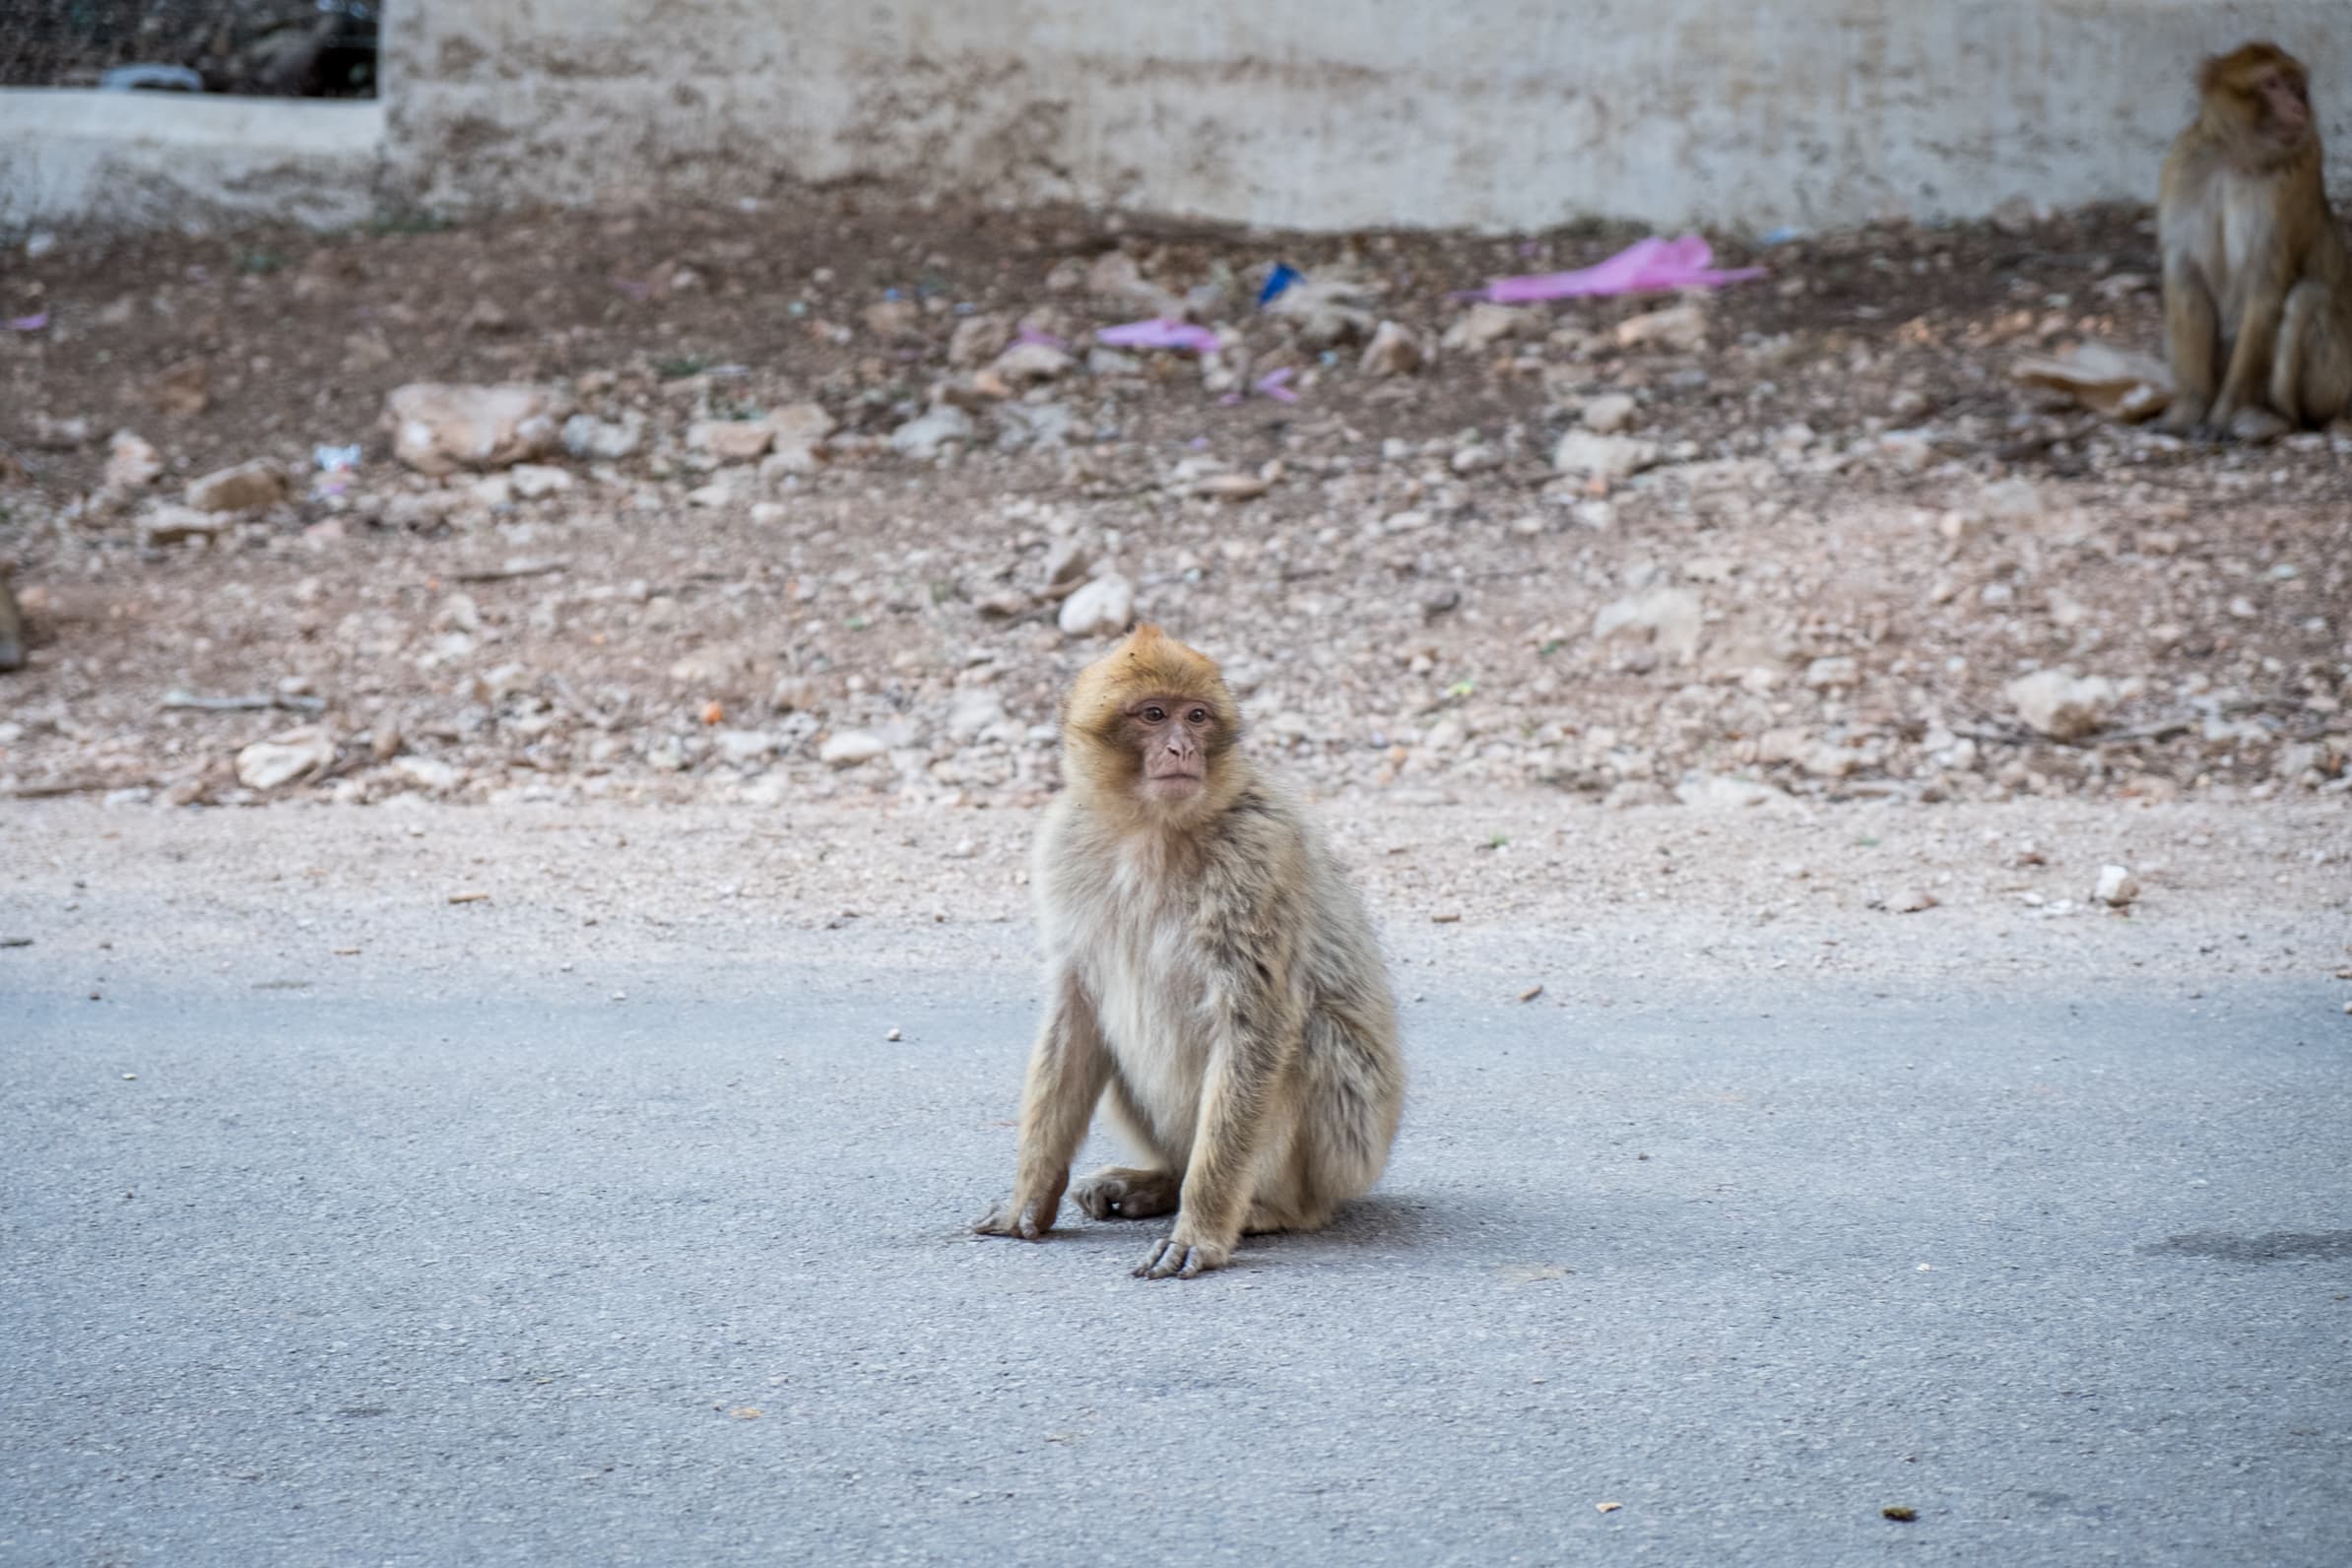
pixel 2184 415
pixel 1025 1219
pixel 1181 1255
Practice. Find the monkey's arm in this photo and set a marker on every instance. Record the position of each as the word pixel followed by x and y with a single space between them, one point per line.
pixel 1251 948
pixel 2249 377
pixel 1243 1083
pixel 1066 1073
pixel 2192 332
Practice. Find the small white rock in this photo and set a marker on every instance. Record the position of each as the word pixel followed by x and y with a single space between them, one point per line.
pixel 1067 560
pixel 1591 454
pixel 1673 619
pixel 1028 364
pixel 1834 670
pixel 1682 327
pixel 284 758
pixel 1485 324
pixel 2117 887
pixel 438 428
pixel 427 772
pixel 744 745
pixel 587 436
pixel 166 524
pixel 1392 351
pixel 1715 791
pixel 849 747
pixel 1608 413
pixel 1102 607
pixel 2062 706
pixel 928 433
pixel 973 710
pixel 534 480
pixel 132 463
pixel 732 440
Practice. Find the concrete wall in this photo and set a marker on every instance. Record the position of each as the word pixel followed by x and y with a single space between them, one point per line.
pixel 171 160
pixel 1330 114
pixel 1309 114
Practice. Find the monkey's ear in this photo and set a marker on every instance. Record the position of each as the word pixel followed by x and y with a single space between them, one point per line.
pixel 2208 75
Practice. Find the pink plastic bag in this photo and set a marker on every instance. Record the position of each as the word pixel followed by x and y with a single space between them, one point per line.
pixel 1648 265
pixel 1160 332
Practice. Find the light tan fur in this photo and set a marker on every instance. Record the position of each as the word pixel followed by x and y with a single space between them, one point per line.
pixel 2257 286
pixel 1210 973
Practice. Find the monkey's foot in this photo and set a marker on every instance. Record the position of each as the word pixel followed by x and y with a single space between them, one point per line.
pixel 1122 1192
pixel 2256 425
pixel 1172 1258
pixel 1025 1221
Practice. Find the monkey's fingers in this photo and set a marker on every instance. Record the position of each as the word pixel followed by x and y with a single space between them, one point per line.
pixel 1010 1217
pixel 1171 1259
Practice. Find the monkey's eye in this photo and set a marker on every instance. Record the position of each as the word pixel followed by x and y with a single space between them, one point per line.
pixel 1199 716
pixel 1155 715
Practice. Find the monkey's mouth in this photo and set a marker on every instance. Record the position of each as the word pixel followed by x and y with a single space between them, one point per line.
pixel 1175 784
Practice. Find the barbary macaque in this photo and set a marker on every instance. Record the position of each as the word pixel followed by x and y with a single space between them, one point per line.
pixel 2257 287
pixel 12 624
pixel 1209 967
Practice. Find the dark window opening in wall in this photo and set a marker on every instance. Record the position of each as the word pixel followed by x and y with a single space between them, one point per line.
pixel 272 48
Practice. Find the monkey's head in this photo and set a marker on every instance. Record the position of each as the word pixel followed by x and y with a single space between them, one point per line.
pixel 1150 726
pixel 2257 97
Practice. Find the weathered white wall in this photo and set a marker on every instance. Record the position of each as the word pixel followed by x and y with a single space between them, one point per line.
pixel 174 159
pixel 1309 114
pixel 1328 113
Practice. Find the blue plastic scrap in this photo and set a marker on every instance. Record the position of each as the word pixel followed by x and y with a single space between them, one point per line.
pixel 1281 278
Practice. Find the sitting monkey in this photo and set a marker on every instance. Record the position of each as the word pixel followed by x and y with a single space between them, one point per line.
pixel 1209 967
pixel 2257 286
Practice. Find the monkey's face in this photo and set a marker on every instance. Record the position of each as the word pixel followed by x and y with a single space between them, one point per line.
pixel 1172 738
pixel 2262 97
pixel 2282 106
pixel 1152 726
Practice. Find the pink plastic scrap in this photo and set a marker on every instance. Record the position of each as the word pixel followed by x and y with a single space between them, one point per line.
pixel 1648 265
pixel 1276 385
pixel 29 323
pixel 1160 332
pixel 1040 337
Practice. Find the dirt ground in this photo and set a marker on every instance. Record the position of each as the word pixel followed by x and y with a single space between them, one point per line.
pixel 1824 535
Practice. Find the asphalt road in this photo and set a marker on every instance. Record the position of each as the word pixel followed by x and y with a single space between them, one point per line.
pixel 536 1276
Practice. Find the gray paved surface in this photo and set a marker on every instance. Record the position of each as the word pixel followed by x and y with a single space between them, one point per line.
pixel 492 1275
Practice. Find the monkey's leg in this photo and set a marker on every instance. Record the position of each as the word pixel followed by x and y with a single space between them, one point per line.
pixel 1243 1093
pixel 1134 1192
pixel 2310 382
pixel 12 627
pixel 1352 1097
pixel 1066 1073
pixel 1127 1191
pixel 2252 361
pixel 2191 335
pixel 1286 1197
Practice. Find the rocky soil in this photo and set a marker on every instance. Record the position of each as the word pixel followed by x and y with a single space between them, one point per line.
pixel 826 501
